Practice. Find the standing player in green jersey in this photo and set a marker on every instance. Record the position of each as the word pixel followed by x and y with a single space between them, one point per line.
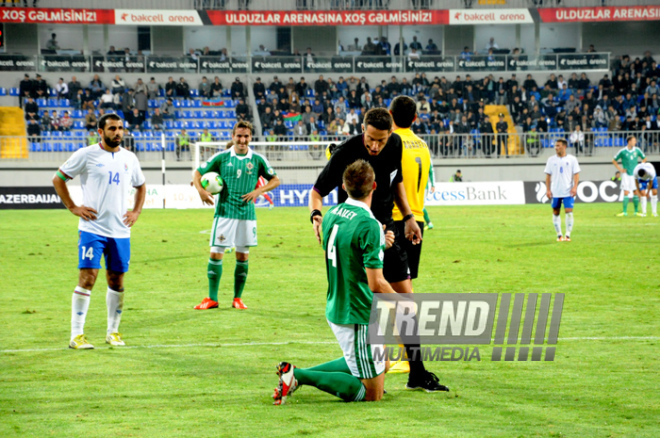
pixel 354 246
pixel 235 222
pixel 628 157
pixel 430 188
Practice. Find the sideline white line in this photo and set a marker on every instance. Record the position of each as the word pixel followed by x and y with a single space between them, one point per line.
pixel 253 344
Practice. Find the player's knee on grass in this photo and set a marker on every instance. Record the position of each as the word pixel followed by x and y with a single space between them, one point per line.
pixel 374 388
pixel 87 278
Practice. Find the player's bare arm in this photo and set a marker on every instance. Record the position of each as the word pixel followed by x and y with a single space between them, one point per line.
pixel 254 194
pixel 205 196
pixel 87 213
pixel 619 168
pixel 132 216
pixel 412 230
pixel 576 180
pixel 316 203
pixel 377 282
pixel 548 181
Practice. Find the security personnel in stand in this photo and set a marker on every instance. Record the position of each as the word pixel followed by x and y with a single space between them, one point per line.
pixel 502 127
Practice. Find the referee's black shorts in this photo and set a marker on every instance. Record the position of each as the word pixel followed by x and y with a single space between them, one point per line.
pixel 413 252
pixel 395 263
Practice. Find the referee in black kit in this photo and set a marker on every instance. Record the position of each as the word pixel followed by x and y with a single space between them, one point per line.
pixel 381 148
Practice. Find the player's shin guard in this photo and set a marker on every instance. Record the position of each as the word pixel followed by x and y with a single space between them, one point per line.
pixel 240 277
pixel 79 307
pixel 643 202
pixel 334 366
pixel 569 223
pixel 115 303
pixel 556 221
pixel 214 273
pixel 345 386
pixel 654 204
pixel 636 203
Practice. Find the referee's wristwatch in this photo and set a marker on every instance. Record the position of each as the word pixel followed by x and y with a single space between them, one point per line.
pixel 314 213
pixel 408 216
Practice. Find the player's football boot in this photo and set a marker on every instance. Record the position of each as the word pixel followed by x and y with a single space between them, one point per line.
pixel 426 382
pixel 229 250
pixel 623 213
pixel 238 304
pixel 567 239
pixel 430 225
pixel 399 367
pixel 207 303
pixel 640 214
pixel 114 339
pixel 80 342
pixel 287 384
pixel 655 214
pixel 271 206
pixel 560 238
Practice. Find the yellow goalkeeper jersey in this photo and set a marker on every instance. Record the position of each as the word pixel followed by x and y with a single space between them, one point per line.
pixel 415 164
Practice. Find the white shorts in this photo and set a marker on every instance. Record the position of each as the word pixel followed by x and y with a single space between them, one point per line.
pixel 233 232
pixel 628 183
pixel 359 355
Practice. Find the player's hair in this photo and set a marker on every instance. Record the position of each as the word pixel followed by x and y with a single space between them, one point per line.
pixel 359 179
pixel 630 138
pixel 403 110
pixel 562 141
pixel 379 118
pixel 229 144
pixel 108 116
pixel 641 172
pixel 242 124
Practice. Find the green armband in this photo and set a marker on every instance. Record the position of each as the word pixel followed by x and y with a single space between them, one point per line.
pixel 61 176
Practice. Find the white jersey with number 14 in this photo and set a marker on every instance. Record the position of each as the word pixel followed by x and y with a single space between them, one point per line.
pixel 106 179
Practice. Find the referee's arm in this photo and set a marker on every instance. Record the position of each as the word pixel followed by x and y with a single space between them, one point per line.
pixel 412 230
pixel 315 205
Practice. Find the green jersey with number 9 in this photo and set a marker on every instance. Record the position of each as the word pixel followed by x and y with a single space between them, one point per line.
pixel 353 240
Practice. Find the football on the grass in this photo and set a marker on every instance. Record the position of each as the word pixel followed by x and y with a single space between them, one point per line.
pixel 212 183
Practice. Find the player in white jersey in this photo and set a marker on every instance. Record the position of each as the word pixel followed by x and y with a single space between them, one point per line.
pixel 107 173
pixel 646 182
pixel 562 174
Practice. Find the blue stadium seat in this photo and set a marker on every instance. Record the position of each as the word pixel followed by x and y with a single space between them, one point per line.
pixel 58 147
pixel 198 114
pixel 196 103
pixel 70 147
pixel 219 114
pixel 3 91
pixel 79 134
pixel 212 125
pixel 169 124
pixel 56 134
pixel 186 114
pixel 153 103
pixel 231 124
pixel 186 103
pixel 170 146
pixel 78 125
pixel 147 124
pixel 137 134
pixel 178 125
pixel 14 91
pixel 35 147
pixel 148 134
pixel 194 92
pixel 230 114
pixel 209 114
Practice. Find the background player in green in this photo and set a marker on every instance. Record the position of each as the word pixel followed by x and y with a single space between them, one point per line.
pixel 235 221
pixel 628 157
pixel 354 246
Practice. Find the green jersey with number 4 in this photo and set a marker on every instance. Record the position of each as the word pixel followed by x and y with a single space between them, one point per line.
pixel 629 157
pixel 240 174
pixel 353 240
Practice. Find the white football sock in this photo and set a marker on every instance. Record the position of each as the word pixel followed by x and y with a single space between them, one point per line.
pixel 79 307
pixel 654 204
pixel 556 221
pixel 115 302
pixel 569 223
pixel 643 199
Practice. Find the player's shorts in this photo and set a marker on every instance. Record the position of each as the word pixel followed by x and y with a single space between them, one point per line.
pixel 91 247
pixel 413 252
pixel 628 183
pixel 359 355
pixel 568 202
pixel 644 184
pixel 395 263
pixel 233 232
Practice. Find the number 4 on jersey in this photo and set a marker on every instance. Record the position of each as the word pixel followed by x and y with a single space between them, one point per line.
pixel 332 252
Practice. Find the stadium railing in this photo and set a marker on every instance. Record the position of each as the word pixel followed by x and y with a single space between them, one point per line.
pixel 294 64
pixel 154 147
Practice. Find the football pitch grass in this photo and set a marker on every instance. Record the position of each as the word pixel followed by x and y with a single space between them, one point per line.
pixel 187 373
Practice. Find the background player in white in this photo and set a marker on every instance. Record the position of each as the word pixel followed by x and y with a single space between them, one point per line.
pixel 107 173
pixel 562 174
pixel 646 183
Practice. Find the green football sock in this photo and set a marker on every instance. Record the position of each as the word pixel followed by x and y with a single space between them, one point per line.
pixel 344 386
pixel 636 203
pixel 240 277
pixel 427 219
pixel 334 366
pixel 214 273
pixel 625 204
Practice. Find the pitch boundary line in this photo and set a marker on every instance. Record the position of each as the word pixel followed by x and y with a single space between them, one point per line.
pixel 257 344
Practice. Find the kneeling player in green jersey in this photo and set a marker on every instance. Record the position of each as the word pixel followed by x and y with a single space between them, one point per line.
pixel 354 246
pixel 628 157
pixel 235 221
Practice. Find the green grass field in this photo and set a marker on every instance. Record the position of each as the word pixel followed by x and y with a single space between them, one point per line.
pixel 187 373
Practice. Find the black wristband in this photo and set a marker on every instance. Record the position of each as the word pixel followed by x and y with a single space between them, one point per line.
pixel 408 216
pixel 314 213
